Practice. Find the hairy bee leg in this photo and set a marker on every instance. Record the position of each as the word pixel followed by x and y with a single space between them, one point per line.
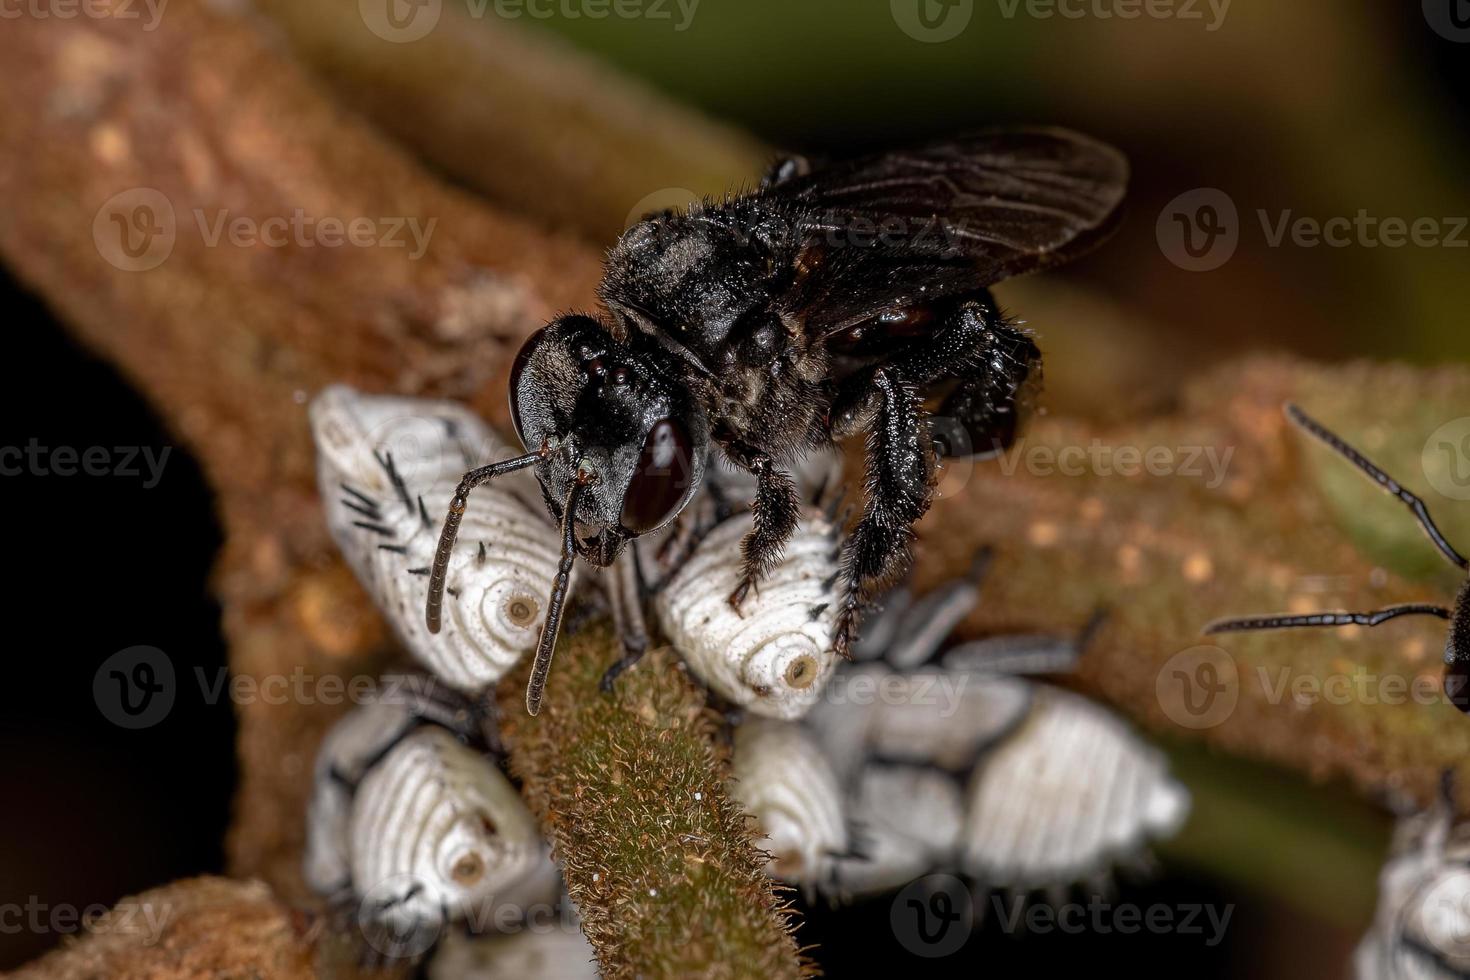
pixel 1003 365
pixel 899 488
pixel 774 512
pixel 627 607
pixel 989 360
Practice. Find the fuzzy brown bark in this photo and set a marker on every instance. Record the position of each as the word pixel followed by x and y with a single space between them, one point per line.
pixel 195 123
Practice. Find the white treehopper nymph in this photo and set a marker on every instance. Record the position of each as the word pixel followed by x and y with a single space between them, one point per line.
pixel 412 826
pixel 1421 929
pixel 385 464
pixel 1065 796
pixel 1058 788
pixel 908 820
pixel 783 780
pixel 554 951
pixel 774 656
pixel 437 832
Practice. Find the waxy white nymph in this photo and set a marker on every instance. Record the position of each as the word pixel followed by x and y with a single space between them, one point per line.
pixel 783 779
pixel 774 655
pixel 385 465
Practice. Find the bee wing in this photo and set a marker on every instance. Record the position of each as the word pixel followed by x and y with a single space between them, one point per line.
pixel 894 230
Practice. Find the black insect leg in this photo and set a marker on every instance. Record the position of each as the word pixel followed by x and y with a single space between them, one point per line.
pixel 627 605
pixel 1457 653
pixel 899 487
pixel 774 513
pixel 986 363
pixel 990 402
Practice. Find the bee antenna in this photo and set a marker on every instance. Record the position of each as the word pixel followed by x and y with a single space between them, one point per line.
pixel 1374 618
pixel 546 646
pixel 1421 512
pixel 433 609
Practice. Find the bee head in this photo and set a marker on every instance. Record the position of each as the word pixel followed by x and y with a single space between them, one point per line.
pixel 632 433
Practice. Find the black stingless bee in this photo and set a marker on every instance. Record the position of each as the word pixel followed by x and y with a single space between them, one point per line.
pixel 832 301
pixel 1457 643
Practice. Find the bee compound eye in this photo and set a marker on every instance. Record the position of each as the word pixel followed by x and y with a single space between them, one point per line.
pixel 523 357
pixel 661 480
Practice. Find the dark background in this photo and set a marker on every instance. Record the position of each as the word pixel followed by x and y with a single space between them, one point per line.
pixel 99 564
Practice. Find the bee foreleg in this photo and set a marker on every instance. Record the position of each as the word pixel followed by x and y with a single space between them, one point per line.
pixel 774 512
pixel 899 488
